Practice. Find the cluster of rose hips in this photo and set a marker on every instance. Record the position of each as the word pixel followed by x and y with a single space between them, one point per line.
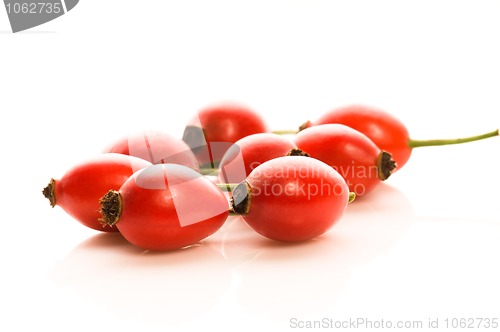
pixel 165 193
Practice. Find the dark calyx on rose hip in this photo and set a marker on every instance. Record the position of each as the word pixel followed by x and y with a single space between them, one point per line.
pixel 49 192
pixel 241 199
pixel 385 165
pixel 298 152
pixel 111 207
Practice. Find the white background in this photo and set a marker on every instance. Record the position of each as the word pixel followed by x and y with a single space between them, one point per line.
pixel 422 246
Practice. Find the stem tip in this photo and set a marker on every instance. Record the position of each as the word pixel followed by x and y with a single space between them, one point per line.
pixel 241 199
pixel 49 192
pixel 352 197
pixel 385 165
pixel 111 208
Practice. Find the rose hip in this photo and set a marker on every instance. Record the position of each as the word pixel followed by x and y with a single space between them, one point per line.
pixel 165 207
pixel 157 148
pixel 214 129
pixel 362 164
pixel 78 191
pixel 249 152
pixel 385 130
pixel 291 198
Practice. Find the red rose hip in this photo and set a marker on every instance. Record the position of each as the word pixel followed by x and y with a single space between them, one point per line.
pixel 214 129
pixel 362 164
pixel 249 152
pixel 165 207
pixel 385 130
pixel 78 191
pixel 291 198
pixel 157 148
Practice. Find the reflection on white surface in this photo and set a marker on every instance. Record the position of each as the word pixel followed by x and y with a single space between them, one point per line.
pixel 260 277
pixel 382 260
pixel 153 287
pixel 276 280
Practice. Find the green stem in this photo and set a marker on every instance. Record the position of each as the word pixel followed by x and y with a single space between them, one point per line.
pixel 232 213
pixel 352 197
pixel 229 187
pixel 434 142
pixel 209 171
pixel 284 132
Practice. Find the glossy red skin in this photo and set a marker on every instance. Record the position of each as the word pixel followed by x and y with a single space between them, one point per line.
pixel 294 213
pixel 157 148
pixel 385 130
pixel 78 191
pixel 249 152
pixel 347 150
pixel 226 123
pixel 150 217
